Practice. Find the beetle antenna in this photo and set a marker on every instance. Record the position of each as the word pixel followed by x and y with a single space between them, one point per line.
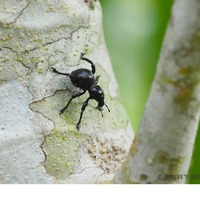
pixel 101 113
pixel 100 109
pixel 107 107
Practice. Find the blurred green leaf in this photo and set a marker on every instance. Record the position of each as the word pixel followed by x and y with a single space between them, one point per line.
pixel 134 32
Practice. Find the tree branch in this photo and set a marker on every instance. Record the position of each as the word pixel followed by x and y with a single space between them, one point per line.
pixel 164 142
pixel 37 144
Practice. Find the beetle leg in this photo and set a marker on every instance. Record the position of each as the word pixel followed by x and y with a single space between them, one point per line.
pixel 73 97
pixel 97 79
pixel 82 110
pixel 57 72
pixel 89 61
pixel 107 107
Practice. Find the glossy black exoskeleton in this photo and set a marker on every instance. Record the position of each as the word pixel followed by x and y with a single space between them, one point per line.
pixel 84 79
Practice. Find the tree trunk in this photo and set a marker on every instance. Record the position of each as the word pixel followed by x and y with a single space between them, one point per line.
pixel 162 149
pixel 37 144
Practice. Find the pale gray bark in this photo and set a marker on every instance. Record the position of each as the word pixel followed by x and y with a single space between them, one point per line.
pixel 162 149
pixel 37 144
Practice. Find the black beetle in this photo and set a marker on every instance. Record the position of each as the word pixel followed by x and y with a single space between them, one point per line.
pixel 85 80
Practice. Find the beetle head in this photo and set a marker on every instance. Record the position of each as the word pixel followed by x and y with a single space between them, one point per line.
pixel 96 93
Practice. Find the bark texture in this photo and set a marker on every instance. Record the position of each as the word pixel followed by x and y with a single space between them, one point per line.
pixel 162 149
pixel 37 144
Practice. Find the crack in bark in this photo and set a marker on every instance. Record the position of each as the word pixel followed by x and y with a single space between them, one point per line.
pixel 61 90
pixel 77 29
pixel 41 147
pixel 20 14
pixel 13 51
pixel 97 180
pixel 9 48
pixel 54 41
pixel 36 111
pixel 46 44
pixel 78 173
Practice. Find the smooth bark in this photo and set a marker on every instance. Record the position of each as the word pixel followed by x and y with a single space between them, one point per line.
pixel 37 144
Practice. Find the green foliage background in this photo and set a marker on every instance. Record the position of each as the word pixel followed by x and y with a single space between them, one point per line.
pixel 134 31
